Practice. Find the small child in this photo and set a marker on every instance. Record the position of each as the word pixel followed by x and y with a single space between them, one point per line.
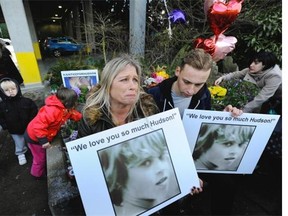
pixel 16 112
pixel 45 126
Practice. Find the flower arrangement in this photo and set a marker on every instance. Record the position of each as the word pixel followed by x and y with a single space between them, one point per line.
pixel 69 130
pixel 81 92
pixel 157 76
pixel 237 93
pixel 217 91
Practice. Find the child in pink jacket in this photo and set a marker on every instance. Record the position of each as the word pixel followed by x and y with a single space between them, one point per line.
pixel 47 123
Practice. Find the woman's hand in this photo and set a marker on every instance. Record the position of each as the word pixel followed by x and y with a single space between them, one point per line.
pixel 218 81
pixel 195 190
pixel 235 112
pixel 46 145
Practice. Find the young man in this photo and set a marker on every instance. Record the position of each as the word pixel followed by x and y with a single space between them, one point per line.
pixel 188 90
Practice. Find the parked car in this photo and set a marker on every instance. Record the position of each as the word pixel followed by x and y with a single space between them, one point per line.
pixel 61 45
pixel 9 46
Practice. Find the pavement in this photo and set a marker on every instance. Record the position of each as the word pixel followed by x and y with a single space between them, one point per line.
pixel 259 193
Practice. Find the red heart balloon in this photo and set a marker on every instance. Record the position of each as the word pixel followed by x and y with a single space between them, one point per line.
pixel 222 15
pixel 219 48
pixel 223 46
pixel 209 3
pixel 207 44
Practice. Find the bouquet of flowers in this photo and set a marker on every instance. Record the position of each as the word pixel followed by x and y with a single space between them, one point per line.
pixel 81 92
pixel 217 91
pixel 157 76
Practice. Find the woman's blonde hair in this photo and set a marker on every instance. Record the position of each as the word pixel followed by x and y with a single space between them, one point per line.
pixel 101 97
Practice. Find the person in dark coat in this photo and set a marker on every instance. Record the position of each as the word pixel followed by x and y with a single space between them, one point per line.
pixel 7 66
pixel 16 112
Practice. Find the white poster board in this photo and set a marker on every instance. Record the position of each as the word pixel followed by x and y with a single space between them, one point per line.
pixel 78 78
pixel 95 160
pixel 224 144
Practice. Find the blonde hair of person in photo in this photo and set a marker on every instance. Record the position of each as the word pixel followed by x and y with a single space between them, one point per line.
pixel 139 173
pixel 221 147
pixel 80 82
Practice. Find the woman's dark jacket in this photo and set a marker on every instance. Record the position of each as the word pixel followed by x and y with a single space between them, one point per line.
pixel 163 98
pixel 16 112
pixel 8 68
pixel 97 119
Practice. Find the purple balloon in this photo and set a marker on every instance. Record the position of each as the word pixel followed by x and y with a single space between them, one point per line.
pixel 177 16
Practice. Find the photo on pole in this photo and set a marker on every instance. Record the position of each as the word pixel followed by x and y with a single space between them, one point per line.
pixel 80 78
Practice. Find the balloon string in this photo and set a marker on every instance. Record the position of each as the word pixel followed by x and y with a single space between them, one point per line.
pixel 169 23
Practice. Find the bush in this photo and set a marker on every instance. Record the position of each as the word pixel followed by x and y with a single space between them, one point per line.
pixel 239 93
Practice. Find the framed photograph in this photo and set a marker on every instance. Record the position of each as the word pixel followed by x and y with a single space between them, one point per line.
pixel 134 169
pixel 221 143
pixel 80 78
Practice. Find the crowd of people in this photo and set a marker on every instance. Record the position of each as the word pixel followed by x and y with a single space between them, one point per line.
pixel 119 99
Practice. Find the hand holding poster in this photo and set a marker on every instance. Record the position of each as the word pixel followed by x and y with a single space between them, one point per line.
pixel 224 144
pixel 134 169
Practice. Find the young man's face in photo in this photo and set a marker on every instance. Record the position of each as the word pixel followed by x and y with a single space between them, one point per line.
pixel 149 178
pixel 224 152
pixel 190 80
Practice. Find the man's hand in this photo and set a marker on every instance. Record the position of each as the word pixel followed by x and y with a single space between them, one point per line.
pixel 235 112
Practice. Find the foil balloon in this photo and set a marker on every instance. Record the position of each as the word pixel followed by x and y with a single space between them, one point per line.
pixel 209 3
pixel 177 16
pixel 221 15
pixel 206 44
pixel 217 47
pixel 223 46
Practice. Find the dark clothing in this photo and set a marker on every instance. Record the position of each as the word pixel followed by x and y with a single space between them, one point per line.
pixel 103 123
pixel 8 68
pixel 163 98
pixel 274 106
pixel 16 112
